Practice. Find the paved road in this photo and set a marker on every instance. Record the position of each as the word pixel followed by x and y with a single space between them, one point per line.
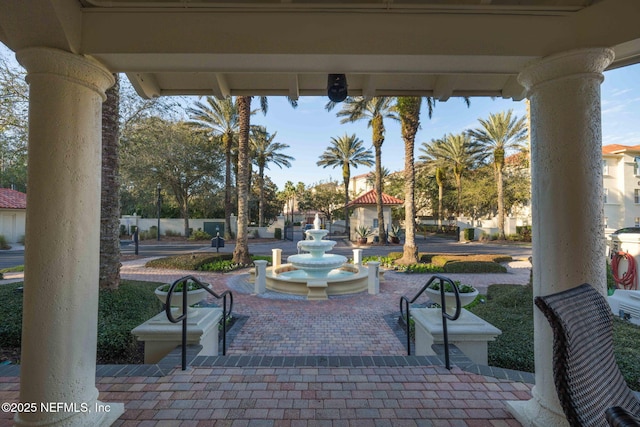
pixel 430 244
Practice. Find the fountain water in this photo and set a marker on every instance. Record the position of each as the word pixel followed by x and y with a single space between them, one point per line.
pixel 316 274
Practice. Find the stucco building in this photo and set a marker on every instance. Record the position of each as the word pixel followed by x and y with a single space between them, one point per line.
pixel 621 178
pixel 13 212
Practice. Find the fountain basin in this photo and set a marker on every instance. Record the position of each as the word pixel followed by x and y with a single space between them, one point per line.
pixel 314 266
pixel 347 279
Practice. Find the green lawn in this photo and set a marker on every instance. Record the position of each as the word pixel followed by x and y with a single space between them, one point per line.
pixel 510 309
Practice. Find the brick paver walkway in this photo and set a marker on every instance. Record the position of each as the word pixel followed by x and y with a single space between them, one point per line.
pixel 305 396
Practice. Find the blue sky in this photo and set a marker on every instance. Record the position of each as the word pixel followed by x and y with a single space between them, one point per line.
pixel 309 128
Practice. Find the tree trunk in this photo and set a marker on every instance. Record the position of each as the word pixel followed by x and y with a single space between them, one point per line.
pixel 440 196
pixel 377 126
pixel 185 215
pixel 379 207
pixel 346 176
pixel 110 206
pixel 241 251
pixel 261 197
pixel 226 142
pixel 410 118
pixel 501 234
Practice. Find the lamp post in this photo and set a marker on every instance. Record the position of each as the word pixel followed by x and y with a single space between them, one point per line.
pixel 159 208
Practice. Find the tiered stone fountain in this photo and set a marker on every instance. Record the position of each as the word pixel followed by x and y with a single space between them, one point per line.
pixel 316 274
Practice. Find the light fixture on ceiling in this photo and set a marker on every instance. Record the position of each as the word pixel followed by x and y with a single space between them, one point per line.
pixel 337 87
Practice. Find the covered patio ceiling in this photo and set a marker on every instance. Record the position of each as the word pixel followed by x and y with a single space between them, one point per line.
pixel 439 48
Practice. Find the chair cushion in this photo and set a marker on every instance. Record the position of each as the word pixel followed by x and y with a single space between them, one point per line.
pixel 586 375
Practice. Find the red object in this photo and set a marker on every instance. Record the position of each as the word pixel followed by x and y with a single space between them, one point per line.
pixel 629 278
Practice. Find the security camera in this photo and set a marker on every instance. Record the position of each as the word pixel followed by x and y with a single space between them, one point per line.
pixel 337 87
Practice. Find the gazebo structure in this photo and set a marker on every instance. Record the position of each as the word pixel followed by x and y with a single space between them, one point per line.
pixel 551 51
pixel 366 212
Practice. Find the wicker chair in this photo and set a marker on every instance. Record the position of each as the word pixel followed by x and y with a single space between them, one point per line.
pixel 585 372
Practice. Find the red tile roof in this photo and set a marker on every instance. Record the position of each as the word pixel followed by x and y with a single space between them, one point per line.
pixel 369 198
pixel 12 199
pixel 617 148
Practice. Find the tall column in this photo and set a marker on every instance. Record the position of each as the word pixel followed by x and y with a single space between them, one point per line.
pixel 59 330
pixel 566 180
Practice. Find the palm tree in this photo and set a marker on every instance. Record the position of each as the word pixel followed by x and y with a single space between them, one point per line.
pixel 110 203
pixel 436 163
pixel 346 151
pixel 220 117
pixel 374 110
pixel 372 177
pixel 266 151
pixel 500 132
pixel 241 251
pixel 458 152
pixel 408 108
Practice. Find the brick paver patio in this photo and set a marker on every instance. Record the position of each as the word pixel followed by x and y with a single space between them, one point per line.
pixel 286 391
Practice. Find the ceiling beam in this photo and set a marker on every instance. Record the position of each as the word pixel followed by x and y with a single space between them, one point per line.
pixel 513 90
pixel 220 86
pixel 368 86
pixel 444 87
pixel 145 85
pixel 294 87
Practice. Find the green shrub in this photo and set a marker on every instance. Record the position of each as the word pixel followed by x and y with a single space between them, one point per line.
pixel 524 233
pixel 474 267
pixel 469 233
pixel 277 234
pixel 394 255
pixel 423 268
pixel 10 315
pixel 199 235
pixel 188 262
pixel 171 233
pixel 15 269
pixel 3 243
pixel 443 259
pixel 221 265
pixel 425 258
pixel 267 258
pixel 150 234
pixel 119 312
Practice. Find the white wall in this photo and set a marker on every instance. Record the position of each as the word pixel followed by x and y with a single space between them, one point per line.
pixel 176 225
pixel 12 224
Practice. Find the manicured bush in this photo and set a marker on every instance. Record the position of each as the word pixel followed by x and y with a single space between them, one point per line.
pixel 3 243
pixel 277 234
pixel 473 267
pixel 423 268
pixel 199 235
pixel 443 259
pixel 188 262
pixel 469 233
pixel 10 315
pixel 171 233
pixel 119 312
pixel 395 255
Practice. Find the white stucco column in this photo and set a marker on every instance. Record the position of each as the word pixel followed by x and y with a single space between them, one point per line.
pixel 59 330
pixel 566 174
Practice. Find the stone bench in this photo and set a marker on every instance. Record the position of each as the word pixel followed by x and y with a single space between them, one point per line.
pixel 160 336
pixel 469 333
